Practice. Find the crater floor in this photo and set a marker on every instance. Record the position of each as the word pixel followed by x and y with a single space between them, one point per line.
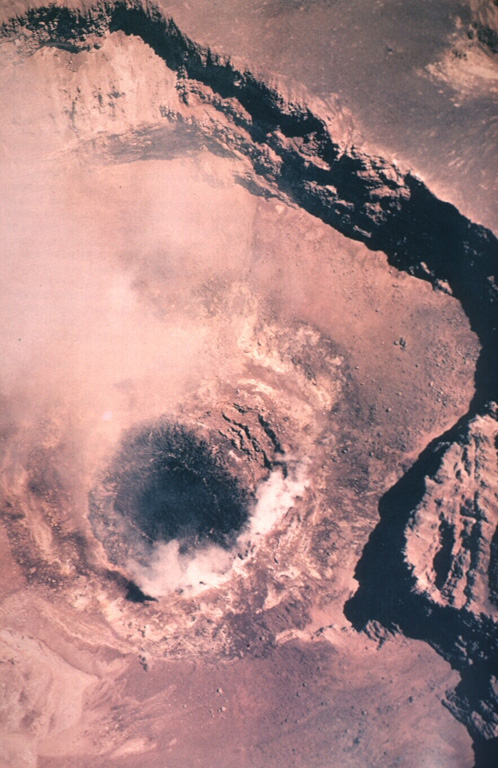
pixel 231 336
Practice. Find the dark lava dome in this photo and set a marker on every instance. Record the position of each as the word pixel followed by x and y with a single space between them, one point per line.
pixel 167 483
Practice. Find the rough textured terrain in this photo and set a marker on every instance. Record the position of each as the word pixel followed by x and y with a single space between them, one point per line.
pixel 191 243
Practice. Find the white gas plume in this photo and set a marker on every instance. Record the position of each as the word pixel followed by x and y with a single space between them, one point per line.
pixel 170 570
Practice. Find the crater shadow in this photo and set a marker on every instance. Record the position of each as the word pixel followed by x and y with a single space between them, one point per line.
pixel 166 483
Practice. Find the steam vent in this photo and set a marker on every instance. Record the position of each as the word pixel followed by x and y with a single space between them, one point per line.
pixel 249 385
pixel 167 484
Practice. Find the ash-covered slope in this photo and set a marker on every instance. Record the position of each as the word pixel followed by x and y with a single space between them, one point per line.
pixel 293 151
pixel 303 154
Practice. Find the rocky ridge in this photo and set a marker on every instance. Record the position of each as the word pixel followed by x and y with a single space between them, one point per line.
pixel 294 151
pixel 430 567
pixel 437 522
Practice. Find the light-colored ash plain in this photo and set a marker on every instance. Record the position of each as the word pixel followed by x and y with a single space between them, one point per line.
pixel 237 245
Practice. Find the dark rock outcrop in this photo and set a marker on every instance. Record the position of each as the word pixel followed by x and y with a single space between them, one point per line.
pixel 430 567
pixel 293 153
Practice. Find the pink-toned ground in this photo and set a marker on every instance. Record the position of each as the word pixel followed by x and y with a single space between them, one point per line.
pixel 141 278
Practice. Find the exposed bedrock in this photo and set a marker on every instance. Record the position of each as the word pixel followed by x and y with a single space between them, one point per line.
pixel 293 152
pixel 430 567
pixel 484 26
